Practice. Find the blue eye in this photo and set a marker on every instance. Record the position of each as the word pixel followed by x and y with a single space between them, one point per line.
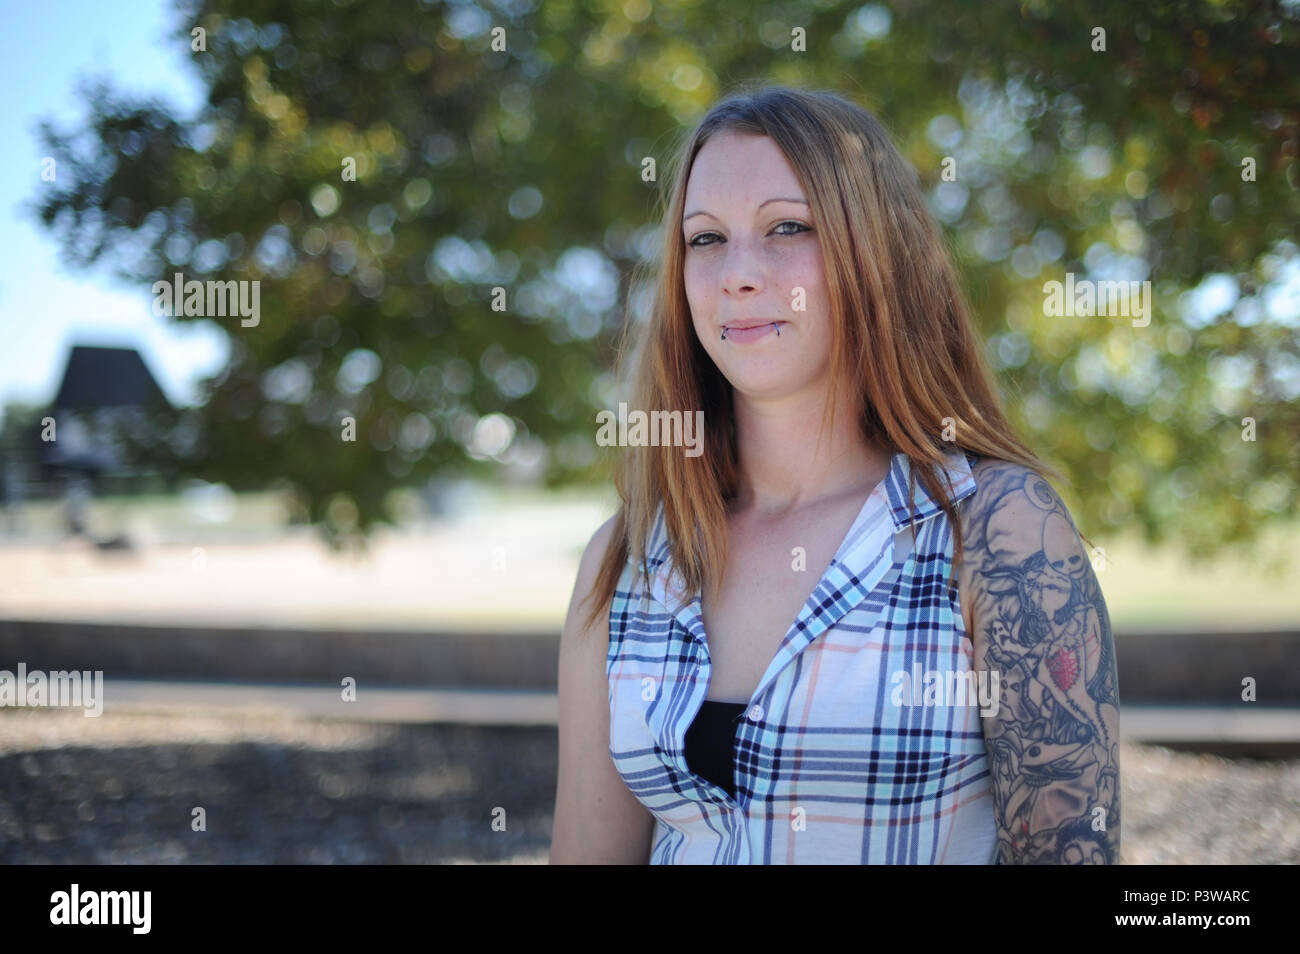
pixel 799 227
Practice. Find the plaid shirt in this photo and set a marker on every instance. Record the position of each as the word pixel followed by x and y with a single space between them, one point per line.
pixel 828 770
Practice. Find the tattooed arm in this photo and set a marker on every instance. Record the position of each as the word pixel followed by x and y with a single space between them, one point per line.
pixel 1036 616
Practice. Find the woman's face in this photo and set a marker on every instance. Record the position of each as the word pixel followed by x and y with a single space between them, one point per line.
pixel 752 258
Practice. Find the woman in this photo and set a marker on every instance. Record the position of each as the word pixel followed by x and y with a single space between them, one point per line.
pixel 871 636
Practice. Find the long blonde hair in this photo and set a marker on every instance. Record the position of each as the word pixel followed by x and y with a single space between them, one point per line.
pixel 901 327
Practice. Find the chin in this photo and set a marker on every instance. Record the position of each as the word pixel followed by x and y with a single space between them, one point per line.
pixel 765 386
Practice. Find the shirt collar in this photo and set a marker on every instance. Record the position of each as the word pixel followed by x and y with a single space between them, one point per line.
pixel 955 475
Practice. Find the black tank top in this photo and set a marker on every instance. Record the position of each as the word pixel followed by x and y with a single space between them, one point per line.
pixel 710 743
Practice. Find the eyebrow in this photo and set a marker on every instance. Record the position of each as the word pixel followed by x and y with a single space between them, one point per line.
pixel 702 212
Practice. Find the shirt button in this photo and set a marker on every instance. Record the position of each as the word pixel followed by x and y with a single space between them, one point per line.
pixel 755 712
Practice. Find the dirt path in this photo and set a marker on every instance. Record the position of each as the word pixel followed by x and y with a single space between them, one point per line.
pixel 284 790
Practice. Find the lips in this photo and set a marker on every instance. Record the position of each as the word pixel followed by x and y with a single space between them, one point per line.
pixel 739 332
pixel 743 323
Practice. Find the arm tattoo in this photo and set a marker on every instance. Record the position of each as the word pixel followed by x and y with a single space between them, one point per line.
pixel 1041 623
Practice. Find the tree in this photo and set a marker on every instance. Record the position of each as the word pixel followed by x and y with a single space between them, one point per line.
pixel 498 155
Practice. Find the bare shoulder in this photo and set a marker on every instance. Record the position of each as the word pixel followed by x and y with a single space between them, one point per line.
pixel 1014 514
pixel 1002 483
pixel 599 543
pixel 1014 523
pixel 594 553
pixel 593 556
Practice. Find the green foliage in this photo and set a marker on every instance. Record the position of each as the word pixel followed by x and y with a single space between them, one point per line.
pixel 20 430
pixel 521 169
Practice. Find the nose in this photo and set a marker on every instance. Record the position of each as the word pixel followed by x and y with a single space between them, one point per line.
pixel 742 271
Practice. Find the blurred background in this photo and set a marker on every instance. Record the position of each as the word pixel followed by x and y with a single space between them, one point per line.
pixel 387 479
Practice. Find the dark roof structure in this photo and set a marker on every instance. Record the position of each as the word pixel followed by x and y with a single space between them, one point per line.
pixel 98 377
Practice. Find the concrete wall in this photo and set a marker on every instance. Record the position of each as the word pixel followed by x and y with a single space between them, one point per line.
pixel 1155 667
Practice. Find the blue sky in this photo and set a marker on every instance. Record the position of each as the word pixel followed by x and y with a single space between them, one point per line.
pixel 45 307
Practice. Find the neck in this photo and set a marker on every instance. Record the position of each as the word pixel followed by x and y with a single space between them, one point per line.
pixel 784 466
